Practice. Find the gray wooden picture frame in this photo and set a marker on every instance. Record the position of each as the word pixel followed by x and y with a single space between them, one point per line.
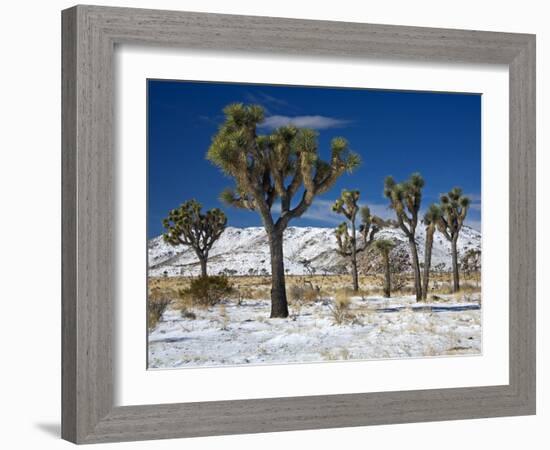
pixel 90 34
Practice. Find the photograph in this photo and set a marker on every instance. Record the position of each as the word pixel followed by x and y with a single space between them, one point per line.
pixel 311 224
pixel 267 225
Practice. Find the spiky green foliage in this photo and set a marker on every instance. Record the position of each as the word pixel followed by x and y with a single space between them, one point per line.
pixel 471 261
pixel 454 207
pixel 274 166
pixel 406 199
pixel 347 204
pixel 187 225
pixel 343 239
pixel 346 232
pixel 270 167
pixel 384 246
pixel 369 226
pixel 432 216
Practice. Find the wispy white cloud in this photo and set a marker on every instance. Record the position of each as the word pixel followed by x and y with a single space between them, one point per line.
pixel 267 100
pixel 382 210
pixel 270 104
pixel 316 122
pixel 321 211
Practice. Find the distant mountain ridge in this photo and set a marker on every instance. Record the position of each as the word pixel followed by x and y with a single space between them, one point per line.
pixel 245 251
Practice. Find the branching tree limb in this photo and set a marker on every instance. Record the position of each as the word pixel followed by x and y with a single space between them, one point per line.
pixel 405 199
pixel 454 207
pixel 277 166
pixel 346 232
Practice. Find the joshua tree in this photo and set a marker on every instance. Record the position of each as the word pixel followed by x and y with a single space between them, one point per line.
pixel 347 242
pixel 186 225
pixel 454 207
pixel 405 199
pixel 471 261
pixel 431 220
pixel 384 246
pixel 280 166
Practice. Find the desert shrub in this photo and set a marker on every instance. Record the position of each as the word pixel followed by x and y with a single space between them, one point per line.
pixel 346 292
pixel 296 298
pixel 157 302
pixel 207 291
pixel 399 281
pixel 304 292
pixel 340 309
pixel 296 293
pixel 243 293
pixel 370 291
pixel 312 294
pixel 468 287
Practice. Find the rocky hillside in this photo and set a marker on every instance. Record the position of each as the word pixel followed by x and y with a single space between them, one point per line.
pixel 245 251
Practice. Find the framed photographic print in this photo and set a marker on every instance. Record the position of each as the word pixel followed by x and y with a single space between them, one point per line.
pixel 336 219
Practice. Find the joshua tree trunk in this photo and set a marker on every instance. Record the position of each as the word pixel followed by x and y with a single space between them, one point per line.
pixel 456 280
pixel 416 268
pixel 354 258
pixel 355 281
pixel 279 305
pixel 387 280
pixel 203 260
pixel 427 263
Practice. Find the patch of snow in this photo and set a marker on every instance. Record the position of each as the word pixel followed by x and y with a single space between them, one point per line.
pixel 245 251
pixel 382 328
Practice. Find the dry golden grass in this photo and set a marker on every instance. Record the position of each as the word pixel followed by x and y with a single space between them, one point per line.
pixel 315 287
pixel 340 308
pixel 158 301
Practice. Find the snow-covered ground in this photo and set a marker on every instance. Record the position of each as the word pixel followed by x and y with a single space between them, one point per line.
pixel 232 334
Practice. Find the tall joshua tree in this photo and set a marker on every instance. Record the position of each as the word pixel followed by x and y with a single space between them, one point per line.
pixel 280 165
pixel 385 246
pixel 431 221
pixel 405 199
pixel 186 225
pixel 347 241
pixel 454 206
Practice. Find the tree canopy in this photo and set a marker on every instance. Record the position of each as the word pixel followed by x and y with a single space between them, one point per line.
pixel 454 207
pixel 187 225
pixel 405 199
pixel 274 166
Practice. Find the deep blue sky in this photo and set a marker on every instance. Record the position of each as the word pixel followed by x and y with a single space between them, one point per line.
pixel 395 132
